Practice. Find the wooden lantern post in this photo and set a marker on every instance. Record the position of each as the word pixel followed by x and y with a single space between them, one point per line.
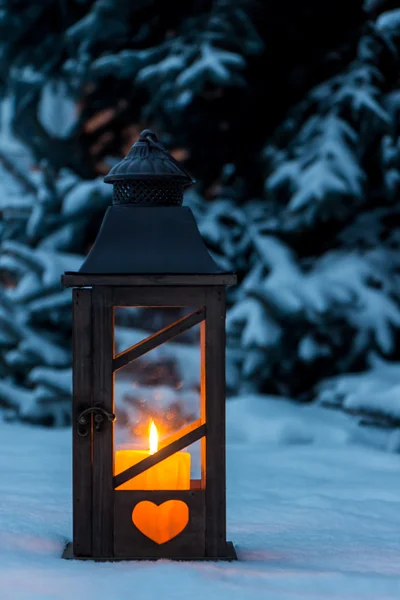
pixel 148 253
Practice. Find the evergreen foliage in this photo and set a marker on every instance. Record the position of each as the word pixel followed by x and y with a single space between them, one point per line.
pixel 287 114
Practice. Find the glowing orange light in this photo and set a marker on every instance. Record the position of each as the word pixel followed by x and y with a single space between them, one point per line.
pixel 153 438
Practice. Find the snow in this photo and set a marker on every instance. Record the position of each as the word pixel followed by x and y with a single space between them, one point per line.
pixel 359 286
pixel 13 197
pixel 328 166
pixel 259 329
pixel 375 391
pixel 83 195
pixel 213 64
pixel 389 20
pixel 44 265
pixel 57 110
pixel 169 66
pixel 312 510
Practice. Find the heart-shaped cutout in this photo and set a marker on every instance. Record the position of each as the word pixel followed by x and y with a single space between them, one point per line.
pixel 161 522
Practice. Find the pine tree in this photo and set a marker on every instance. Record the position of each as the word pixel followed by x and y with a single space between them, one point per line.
pixel 323 296
pixel 287 115
pixel 46 232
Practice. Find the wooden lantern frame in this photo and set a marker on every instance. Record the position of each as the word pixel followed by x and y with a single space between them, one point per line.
pixel 102 515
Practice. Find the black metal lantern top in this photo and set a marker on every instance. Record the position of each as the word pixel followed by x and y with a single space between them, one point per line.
pixel 146 230
pixel 149 175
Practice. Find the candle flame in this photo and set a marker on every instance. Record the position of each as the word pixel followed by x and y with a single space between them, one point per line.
pixel 153 438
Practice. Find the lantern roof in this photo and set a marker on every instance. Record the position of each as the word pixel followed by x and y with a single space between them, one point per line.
pixel 138 240
pixel 146 231
pixel 148 159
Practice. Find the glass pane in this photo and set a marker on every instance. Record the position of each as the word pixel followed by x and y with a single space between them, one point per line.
pixel 134 324
pixel 163 387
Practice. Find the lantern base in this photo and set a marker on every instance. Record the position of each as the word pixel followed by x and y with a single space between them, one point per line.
pixel 68 554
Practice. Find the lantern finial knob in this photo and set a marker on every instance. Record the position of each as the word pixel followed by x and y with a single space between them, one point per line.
pixel 148 133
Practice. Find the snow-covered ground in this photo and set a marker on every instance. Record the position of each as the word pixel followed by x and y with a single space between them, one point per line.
pixel 313 509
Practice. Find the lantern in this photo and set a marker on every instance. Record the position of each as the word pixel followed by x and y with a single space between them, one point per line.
pixel 145 503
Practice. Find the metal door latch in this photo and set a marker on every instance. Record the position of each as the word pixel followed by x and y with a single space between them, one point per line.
pixel 100 415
